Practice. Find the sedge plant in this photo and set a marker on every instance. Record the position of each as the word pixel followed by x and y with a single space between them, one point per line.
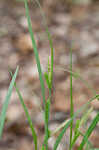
pixel 74 134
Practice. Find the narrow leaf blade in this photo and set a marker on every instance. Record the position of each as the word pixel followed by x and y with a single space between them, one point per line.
pixel 6 102
pixel 27 114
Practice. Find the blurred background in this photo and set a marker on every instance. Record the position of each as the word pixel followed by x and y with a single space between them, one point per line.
pixel 72 23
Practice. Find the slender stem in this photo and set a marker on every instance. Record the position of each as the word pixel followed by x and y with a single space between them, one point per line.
pixel 71 100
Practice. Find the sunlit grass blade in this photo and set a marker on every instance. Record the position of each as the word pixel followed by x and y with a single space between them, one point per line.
pixel 47 80
pixel 35 51
pixel 59 138
pixel 27 115
pixel 71 101
pixel 79 124
pixel 89 131
pixel 6 102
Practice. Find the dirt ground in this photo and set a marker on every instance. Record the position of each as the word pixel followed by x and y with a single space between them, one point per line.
pixel 70 26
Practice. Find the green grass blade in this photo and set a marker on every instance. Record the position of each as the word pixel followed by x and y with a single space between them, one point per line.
pixel 71 101
pixel 47 80
pixel 42 148
pixel 35 51
pixel 76 132
pixel 52 54
pixel 85 117
pixel 47 110
pixel 75 139
pixel 49 38
pixel 79 125
pixel 89 145
pixel 27 115
pixel 59 138
pixel 89 131
pixel 6 102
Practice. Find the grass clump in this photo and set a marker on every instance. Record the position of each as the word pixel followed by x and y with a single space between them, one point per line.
pixel 47 103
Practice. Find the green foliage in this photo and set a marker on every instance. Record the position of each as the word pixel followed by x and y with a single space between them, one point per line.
pixel 48 77
pixel 49 81
pixel 59 138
